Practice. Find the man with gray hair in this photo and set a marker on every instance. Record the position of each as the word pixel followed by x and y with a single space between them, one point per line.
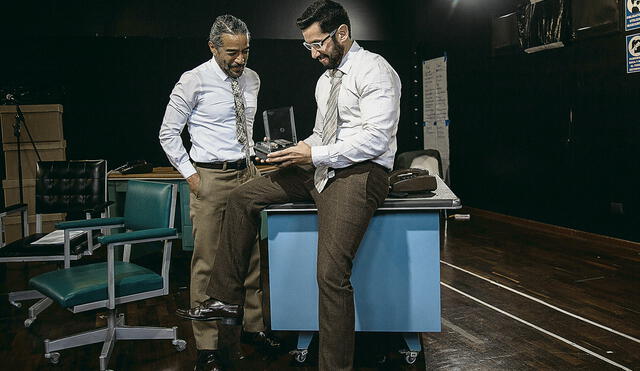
pixel 342 166
pixel 217 101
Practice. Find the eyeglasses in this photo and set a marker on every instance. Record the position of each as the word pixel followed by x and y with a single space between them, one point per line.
pixel 318 44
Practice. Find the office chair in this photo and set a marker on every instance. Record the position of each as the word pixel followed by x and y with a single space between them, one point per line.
pixel 72 187
pixel 148 216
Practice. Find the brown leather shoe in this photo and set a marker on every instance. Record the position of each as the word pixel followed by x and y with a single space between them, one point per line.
pixel 209 360
pixel 214 310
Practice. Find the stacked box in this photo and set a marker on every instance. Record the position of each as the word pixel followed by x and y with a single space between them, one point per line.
pixel 43 120
pixel 45 126
pixel 49 151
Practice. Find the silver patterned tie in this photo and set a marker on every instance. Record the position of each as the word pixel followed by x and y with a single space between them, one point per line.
pixel 329 128
pixel 241 122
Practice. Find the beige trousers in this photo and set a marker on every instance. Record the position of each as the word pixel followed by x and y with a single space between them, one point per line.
pixel 207 210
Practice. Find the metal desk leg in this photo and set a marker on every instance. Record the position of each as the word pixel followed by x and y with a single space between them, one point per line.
pixel 413 343
pixel 304 339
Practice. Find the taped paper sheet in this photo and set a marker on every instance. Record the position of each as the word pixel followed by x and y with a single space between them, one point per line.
pixel 436 109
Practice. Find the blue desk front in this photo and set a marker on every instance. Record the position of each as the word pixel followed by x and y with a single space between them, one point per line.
pixel 397 264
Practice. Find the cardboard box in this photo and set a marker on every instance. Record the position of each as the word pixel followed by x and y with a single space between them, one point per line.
pixel 43 120
pixel 13 231
pixel 49 151
pixel 12 193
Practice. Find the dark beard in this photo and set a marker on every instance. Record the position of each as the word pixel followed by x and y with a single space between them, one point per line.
pixel 335 57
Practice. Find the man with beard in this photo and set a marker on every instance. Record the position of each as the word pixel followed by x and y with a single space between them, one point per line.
pixel 218 100
pixel 351 149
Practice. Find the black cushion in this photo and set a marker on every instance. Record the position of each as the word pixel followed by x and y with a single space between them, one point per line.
pixel 70 186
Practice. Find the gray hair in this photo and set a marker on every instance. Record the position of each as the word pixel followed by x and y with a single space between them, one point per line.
pixel 227 24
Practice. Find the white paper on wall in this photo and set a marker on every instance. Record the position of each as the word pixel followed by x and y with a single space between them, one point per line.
pixel 436 109
pixel 434 90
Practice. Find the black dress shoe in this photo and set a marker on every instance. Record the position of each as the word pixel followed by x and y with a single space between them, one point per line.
pixel 214 310
pixel 209 360
pixel 265 341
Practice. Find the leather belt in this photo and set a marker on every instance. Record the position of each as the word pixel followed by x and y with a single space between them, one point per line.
pixel 223 165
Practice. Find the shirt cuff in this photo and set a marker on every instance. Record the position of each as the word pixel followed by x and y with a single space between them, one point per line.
pixel 186 169
pixel 320 156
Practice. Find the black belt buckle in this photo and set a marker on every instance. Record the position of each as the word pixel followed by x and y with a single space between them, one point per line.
pixel 237 165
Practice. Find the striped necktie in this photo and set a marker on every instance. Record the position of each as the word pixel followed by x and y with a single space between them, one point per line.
pixel 241 122
pixel 329 128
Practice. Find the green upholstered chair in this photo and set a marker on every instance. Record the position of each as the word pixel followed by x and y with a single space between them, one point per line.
pixel 77 188
pixel 148 216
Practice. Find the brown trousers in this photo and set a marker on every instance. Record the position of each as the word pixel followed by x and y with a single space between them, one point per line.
pixel 207 212
pixel 345 208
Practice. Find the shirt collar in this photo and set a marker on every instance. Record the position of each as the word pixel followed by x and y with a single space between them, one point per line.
pixel 216 68
pixel 347 60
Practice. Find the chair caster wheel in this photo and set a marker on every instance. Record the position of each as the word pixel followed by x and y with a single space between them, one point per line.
pixel 410 359
pixel 180 345
pixel 16 304
pixel 28 322
pixel 300 355
pixel 54 357
pixel 410 356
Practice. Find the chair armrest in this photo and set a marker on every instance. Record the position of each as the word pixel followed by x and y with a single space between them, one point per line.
pixel 90 223
pixel 13 209
pixel 99 208
pixel 139 236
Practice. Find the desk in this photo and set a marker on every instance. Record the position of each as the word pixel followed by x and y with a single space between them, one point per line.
pixel 398 260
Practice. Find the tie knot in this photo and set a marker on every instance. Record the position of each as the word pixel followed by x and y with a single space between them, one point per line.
pixel 336 73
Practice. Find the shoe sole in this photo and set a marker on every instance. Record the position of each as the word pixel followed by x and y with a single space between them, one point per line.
pixel 223 320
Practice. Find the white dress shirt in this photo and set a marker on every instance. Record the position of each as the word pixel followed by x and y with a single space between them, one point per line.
pixel 368 112
pixel 203 99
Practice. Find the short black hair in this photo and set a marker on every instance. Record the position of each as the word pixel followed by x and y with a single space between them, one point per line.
pixel 329 14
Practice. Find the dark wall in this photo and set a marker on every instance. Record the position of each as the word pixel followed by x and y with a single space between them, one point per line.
pixel 113 64
pixel 549 136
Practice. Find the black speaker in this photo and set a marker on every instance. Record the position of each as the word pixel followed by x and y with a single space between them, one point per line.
pixel 595 17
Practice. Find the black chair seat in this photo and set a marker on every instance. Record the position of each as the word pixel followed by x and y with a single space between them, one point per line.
pixel 24 248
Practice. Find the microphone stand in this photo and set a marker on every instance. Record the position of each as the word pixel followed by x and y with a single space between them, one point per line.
pixel 16 132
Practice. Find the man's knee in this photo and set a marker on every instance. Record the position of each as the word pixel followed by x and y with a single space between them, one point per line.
pixel 332 277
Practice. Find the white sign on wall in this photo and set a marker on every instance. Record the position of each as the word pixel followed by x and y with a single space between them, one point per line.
pixel 436 109
pixel 631 14
pixel 633 53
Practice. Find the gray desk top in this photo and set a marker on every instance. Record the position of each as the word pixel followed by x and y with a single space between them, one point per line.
pixel 442 198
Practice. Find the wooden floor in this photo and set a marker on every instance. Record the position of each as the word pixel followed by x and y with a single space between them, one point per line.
pixel 515 296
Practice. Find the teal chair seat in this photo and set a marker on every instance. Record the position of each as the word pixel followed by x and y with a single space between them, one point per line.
pixel 88 283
